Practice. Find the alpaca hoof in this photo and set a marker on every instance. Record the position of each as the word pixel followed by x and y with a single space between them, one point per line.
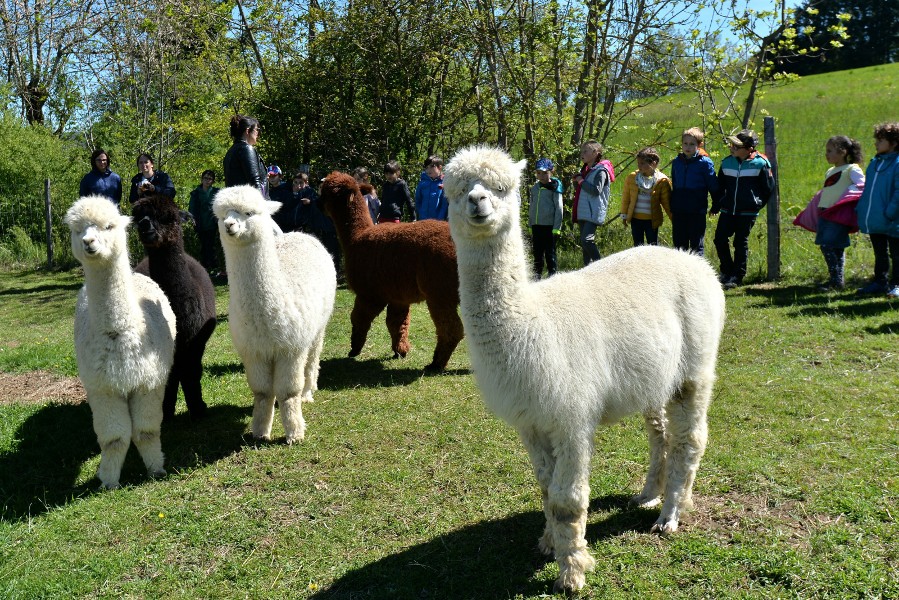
pixel 664 526
pixel 569 583
pixel 197 412
pixel 307 397
pixel 262 438
pixel 434 368
pixel 354 353
pixel 641 501
pixel 157 473
pixel 397 354
pixel 109 485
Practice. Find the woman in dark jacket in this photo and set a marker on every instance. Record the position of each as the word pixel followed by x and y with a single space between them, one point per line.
pixel 242 164
pixel 149 181
pixel 101 180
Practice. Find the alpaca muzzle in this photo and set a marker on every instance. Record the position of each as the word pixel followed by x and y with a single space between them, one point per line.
pixel 479 206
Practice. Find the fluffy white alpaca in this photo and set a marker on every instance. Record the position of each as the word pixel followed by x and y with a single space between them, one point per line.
pixel 636 332
pixel 282 289
pixel 124 339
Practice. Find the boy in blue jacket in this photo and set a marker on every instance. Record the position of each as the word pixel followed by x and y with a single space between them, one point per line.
pixel 745 183
pixel 878 210
pixel 692 180
pixel 430 201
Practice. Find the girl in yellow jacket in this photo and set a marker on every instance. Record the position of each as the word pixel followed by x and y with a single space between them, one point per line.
pixel 647 191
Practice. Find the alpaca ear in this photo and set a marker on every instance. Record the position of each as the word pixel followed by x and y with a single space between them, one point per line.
pixel 186 217
pixel 522 165
pixel 124 221
pixel 272 206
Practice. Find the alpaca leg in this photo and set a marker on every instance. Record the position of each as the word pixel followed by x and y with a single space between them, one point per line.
pixel 656 426
pixel 398 326
pixel 112 424
pixel 364 312
pixel 543 462
pixel 688 432
pixel 146 419
pixel 289 384
pixel 569 496
pixel 170 395
pixel 192 374
pixel 311 368
pixel 449 333
pixel 259 377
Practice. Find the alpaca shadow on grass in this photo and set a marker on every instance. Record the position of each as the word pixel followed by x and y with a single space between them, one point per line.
pixel 343 373
pixel 42 469
pixel 500 555
pixel 218 370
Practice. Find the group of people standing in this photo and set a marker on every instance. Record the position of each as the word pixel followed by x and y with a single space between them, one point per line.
pixel 739 189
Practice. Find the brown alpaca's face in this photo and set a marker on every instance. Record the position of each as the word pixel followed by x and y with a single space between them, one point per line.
pixel 158 222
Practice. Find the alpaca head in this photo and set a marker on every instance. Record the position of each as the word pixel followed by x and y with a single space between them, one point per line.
pixel 244 215
pixel 158 221
pixel 481 184
pixel 98 230
pixel 340 197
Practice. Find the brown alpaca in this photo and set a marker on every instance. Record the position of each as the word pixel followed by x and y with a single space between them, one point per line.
pixel 395 265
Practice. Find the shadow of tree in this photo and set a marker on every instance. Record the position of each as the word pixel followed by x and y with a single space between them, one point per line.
pixel 60 287
pixel 809 301
pixel 42 470
pixel 500 553
pixel 217 369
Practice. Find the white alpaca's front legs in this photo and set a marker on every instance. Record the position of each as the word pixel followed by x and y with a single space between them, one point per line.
pixel 259 378
pixel 540 451
pixel 569 497
pixel 656 429
pixel 289 384
pixel 688 433
pixel 112 424
pixel 146 420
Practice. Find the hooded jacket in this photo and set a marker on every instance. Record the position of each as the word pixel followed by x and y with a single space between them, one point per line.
pixel 545 207
pixel 692 180
pixel 430 200
pixel 878 208
pixel 744 187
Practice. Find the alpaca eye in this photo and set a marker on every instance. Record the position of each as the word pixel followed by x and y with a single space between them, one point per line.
pixel 109 227
pixel 249 214
pixel 500 189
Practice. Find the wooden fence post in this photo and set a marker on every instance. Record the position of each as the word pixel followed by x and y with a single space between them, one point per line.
pixel 773 203
pixel 48 220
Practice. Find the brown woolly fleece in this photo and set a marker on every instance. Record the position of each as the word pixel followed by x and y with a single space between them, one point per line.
pixel 395 265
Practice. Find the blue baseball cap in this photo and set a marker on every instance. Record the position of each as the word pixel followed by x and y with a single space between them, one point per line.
pixel 274 170
pixel 544 164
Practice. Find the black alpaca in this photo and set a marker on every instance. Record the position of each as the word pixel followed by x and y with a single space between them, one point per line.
pixel 189 290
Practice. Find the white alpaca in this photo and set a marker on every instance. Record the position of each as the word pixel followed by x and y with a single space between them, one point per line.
pixel 636 332
pixel 282 289
pixel 124 339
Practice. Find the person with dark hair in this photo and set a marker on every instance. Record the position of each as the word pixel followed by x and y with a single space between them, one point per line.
pixel 242 165
pixel 206 225
pixel 430 200
pixel 101 181
pixel 149 181
pixel 363 177
pixel 878 210
pixel 395 195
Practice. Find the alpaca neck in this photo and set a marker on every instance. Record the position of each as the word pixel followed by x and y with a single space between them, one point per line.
pixel 352 223
pixel 253 267
pixel 166 260
pixel 110 294
pixel 493 270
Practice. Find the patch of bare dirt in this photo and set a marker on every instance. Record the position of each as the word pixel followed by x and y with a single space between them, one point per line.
pixel 40 386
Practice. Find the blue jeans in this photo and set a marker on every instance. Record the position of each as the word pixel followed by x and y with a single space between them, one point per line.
pixel 588 242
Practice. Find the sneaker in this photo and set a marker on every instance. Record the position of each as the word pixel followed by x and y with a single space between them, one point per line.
pixel 724 278
pixel 732 282
pixel 830 286
pixel 875 287
pixel 893 293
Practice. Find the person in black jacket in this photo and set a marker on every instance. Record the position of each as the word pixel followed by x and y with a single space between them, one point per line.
pixel 242 164
pixel 395 196
pixel 149 181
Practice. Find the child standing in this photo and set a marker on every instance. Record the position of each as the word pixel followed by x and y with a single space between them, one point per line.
pixel 692 180
pixel 844 179
pixel 745 183
pixel 878 210
pixel 647 191
pixel 591 198
pixel 545 217
pixel 395 196
pixel 363 178
pixel 430 201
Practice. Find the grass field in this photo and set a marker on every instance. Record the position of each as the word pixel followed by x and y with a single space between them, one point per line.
pixel 407 488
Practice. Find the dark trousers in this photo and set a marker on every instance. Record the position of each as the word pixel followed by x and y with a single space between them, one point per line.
pixel 739 227
pixel 642 229
pixel 588 242
pixel 544 246
pixel 209 242
pixel 886 250
pixel 688 231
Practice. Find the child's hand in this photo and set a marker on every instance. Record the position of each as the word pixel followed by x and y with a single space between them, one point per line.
pixel 623 218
